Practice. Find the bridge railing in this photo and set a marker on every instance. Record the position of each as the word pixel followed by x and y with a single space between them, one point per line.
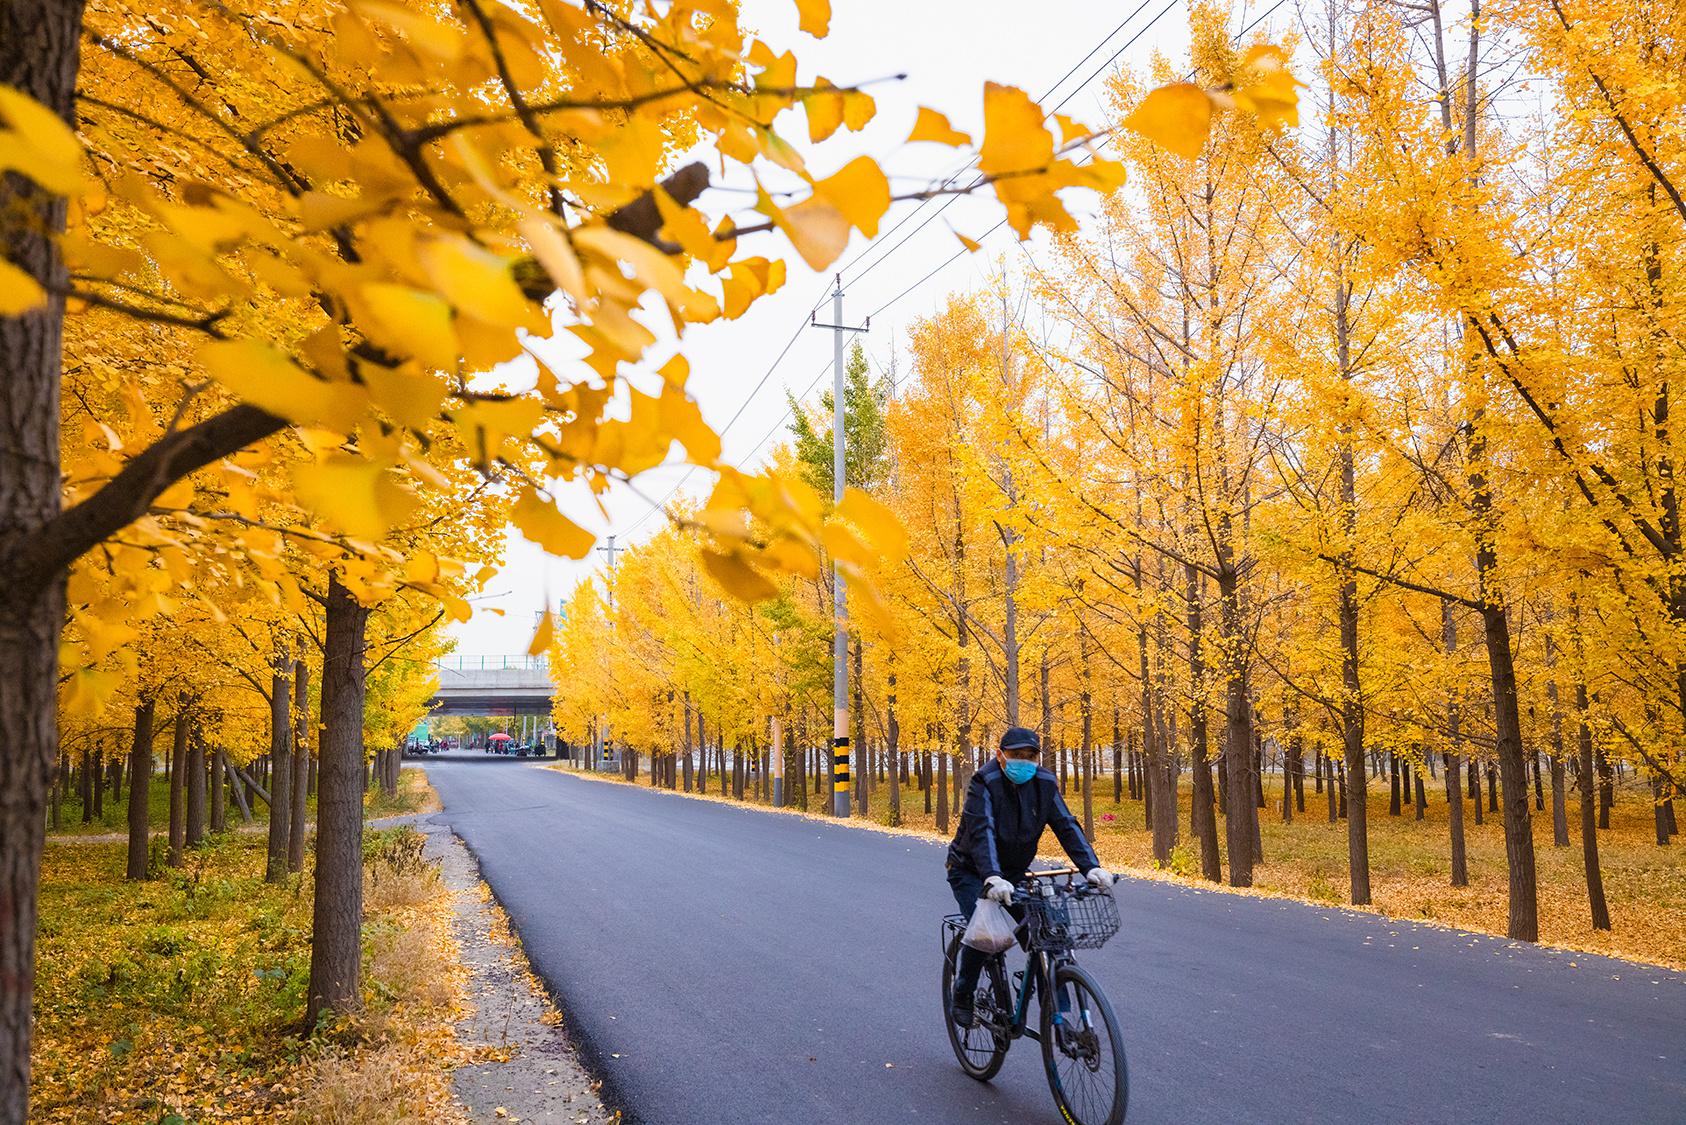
pixel 458 662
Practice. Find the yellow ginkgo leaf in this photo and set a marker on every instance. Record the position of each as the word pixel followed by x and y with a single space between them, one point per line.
pixel 816 228
pixel 355 495
pixel 409 322
pixel 792 556
pixel 1015 140
pixel 933 126
pixel 262 376
pixel 486 423
pixel 19 292
pixel 737 577
pixel 423 566
pixel 1178 117
pixel 1267 88
pixel 550 248
pixel 478 283
pixel 424 32
pixel 814 17
pixel 37 143
pixel 540 642
pixel 538 519
pixel 685 226
pixel 860 191
pixel 682 420
pixel 877 522
pixel 824 110
pixel 409 396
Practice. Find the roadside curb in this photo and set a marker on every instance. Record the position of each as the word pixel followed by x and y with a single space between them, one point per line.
pixel 529 1069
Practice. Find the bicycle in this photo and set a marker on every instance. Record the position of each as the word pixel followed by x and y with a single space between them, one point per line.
pixel 1082 1050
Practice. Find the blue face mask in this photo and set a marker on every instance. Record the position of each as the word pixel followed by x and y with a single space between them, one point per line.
pixel 1018 772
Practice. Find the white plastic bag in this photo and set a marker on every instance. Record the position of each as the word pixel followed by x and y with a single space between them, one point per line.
pixel 991 928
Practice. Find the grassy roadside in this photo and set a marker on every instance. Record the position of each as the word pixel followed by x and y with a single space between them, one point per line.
pixel 414 796
pixel 177 1001
pixel 114 814
pixel 1409 863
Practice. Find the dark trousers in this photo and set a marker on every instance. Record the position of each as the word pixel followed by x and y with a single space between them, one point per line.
pixel 967 888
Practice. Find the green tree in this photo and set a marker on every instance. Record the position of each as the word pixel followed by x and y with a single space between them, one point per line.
pixel 865 463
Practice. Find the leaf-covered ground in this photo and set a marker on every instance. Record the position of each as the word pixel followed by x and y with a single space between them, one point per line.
pixel 1410 863
pixel 179 1000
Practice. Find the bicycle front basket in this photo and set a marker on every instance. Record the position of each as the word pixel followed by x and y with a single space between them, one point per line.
pixel 1064 921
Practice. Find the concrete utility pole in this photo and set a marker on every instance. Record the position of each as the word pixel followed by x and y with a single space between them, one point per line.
pixel 840 622
pixel 777 757
pixel 601 741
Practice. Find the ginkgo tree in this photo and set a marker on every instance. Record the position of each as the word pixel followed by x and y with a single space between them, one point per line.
pixel 414 190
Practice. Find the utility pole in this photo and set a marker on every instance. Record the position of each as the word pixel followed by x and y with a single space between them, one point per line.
pixel 840 617
pixel 602 731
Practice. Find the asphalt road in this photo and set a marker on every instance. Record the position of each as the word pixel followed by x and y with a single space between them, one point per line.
pixel 722 964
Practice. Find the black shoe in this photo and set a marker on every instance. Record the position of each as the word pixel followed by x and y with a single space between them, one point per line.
pixel 962 1014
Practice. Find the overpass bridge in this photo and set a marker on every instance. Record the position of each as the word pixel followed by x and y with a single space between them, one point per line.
pixel 492 685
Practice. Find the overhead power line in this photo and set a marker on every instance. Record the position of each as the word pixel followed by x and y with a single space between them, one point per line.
pixel 883 252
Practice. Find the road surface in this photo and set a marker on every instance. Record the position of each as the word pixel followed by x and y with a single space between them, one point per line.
pixel 722 964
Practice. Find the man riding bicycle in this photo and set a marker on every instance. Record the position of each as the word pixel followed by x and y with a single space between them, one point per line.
pixel 1008 804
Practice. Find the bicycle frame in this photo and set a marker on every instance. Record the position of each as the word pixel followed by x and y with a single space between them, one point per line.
pixel 1036 976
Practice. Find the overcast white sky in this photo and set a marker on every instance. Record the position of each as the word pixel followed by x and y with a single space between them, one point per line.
pixel 947 49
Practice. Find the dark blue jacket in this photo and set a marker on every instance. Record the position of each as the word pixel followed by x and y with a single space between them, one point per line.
pixel 1001 825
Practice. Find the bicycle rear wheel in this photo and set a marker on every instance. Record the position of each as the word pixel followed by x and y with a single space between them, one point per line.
pixel 1083 1052
pixel 981 1048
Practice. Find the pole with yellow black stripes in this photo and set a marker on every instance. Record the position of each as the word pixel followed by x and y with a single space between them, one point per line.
pixel 840 622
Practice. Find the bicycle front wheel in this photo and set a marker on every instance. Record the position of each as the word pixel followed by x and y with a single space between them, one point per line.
pixel 981 1048
pixel 1083 1052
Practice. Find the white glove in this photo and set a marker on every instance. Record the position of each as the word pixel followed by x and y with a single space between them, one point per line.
pixel 1100 878
pixel 999 889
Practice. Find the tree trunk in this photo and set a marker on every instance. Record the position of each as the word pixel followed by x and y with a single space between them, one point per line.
pixel 1242 825
pixel 1589 831
pixel 1559 784
pixel 942 794
pixel 178 763
pixel 1202 816
pixel 1455 814
pixel 1606 788
pixel 38 56
pixel 281 768
pixel 1659 813
pixel 1334 808
pixel 239 793
pixel 195 790
pixel 99 782
pixel 336 942
pixel 1118 761
pixel 140 789
pixel 219 792
pixel 893 730
pixel 299 792
pixel 1523 923
pixel 85 788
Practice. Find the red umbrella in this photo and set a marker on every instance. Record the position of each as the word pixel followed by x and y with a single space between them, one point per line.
pixel 500 737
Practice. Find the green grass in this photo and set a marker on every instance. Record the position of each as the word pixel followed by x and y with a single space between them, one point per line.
pixel 114 816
